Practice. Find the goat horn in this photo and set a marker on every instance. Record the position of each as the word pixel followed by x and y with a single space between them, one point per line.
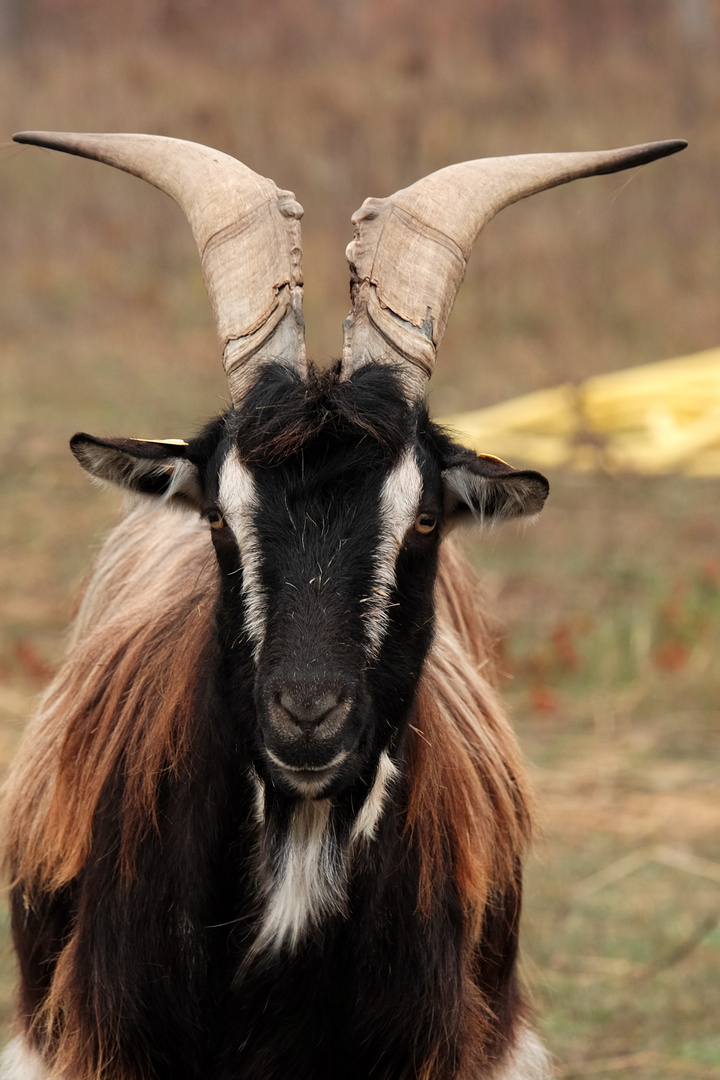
pixel 247 232
pixel 408 257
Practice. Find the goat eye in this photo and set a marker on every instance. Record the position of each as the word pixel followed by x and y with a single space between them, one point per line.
pixel 425 523
pixel 215 519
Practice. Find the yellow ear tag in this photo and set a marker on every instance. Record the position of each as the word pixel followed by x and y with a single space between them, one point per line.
pixel 165 442
pixel 493 457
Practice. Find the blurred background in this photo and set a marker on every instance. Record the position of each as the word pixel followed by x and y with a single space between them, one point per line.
pixel 607 611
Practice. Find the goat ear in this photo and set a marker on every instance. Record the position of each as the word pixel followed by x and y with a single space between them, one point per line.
pixel 148 467
pixel 483 489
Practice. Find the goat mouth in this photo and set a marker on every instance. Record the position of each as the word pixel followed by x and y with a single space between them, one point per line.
pixel 307 779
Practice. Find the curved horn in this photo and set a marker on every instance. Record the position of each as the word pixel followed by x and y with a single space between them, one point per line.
pixel 408 257
pixel 247 232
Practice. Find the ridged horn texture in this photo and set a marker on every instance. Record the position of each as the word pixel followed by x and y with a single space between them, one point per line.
pixel 410 251
pixel 247 232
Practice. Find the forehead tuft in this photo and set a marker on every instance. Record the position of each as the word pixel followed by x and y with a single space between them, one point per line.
pixel 283 415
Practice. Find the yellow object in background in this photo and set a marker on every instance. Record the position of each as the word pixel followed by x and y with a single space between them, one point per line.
pixel 658 418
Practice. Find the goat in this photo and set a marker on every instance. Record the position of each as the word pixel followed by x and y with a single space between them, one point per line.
pixel 270 819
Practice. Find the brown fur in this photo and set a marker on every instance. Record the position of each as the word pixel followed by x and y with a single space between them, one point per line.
pixel 122 699
pixel 469 800
pixel 469 809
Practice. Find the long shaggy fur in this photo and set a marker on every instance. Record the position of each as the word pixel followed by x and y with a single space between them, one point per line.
pixel 118 722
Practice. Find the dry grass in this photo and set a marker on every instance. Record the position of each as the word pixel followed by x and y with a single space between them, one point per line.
pixel 610 606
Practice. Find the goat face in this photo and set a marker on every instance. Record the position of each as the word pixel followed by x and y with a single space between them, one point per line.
pixel 326 501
